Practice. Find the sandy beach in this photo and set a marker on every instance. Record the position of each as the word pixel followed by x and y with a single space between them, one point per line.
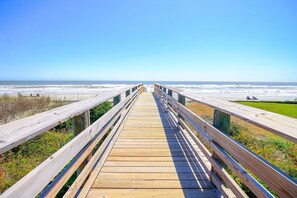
pixel 74 91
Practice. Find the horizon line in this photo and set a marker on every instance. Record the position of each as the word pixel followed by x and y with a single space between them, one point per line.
pixel 147 81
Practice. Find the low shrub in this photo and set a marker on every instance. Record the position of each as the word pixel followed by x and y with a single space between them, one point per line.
pixel 98 111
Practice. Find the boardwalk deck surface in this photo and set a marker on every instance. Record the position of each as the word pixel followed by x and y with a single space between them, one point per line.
pixel 151 158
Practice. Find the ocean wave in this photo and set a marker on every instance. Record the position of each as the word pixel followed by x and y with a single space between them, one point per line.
pixel 233 86
pixel 233 90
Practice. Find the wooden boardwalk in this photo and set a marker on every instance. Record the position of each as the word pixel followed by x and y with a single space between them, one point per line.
pixel 151 149
pixel 151 158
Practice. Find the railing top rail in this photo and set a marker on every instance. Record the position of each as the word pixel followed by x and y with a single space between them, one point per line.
pixel 17 132
pixel 281 125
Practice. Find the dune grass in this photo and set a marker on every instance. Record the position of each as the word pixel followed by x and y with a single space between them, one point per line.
pixel 275 149
pixel 22 159
pixel 286 109
pixel 13 108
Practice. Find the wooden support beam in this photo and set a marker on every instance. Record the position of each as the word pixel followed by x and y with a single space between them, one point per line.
pixel 116 100
pixel 182 99
pixel 221 121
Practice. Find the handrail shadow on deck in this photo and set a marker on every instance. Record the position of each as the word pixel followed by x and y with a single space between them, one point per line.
pixel 190 171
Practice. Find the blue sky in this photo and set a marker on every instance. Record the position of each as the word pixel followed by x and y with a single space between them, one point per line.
pixel 212 40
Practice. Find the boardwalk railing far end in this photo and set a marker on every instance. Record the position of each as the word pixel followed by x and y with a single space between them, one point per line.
pixel 224 149
pixel 51 175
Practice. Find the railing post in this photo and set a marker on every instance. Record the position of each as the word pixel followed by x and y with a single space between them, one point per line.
pixel 221 121
pixel 142 88
pixel 128 93
pixel 182 99
pixel 156 89
pixel 80 123
pixel 170 92
pixel 116 100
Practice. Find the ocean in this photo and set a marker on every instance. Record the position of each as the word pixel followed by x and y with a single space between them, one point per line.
pixel 224 90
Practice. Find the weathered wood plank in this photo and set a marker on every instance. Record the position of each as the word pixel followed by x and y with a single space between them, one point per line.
pixel 139 142
pixel 149 184
pixel 150 159
pixel 164 193
pixel 152 176
pixel 151 164
pixel 174 140
pixel 150 152
pixel 160 136
pixel 137 146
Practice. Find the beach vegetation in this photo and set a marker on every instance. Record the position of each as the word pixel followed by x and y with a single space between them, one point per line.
pixel 22 159
pixel 95 114
pixel 98 111
pixel 275 149
pixel 13 108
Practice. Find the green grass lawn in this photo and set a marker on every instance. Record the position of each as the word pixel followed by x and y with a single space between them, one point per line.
pixel 280 108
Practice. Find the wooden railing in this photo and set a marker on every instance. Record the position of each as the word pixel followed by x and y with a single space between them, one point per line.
pixel 224 149
pixel 59 167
